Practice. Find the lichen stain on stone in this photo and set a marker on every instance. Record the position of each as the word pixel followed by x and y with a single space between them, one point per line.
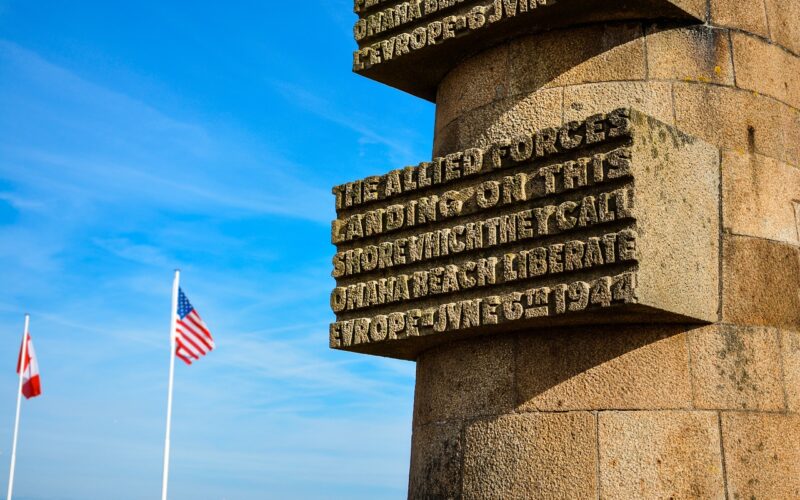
pixel 736 353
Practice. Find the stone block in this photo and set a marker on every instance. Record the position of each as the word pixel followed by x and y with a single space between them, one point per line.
pixel 783 26
pixel 597 53
pixel 660 454
pixel 790 124
pixel 605 367
pixel 736 367
pixel 766 68
pixel 530 233
pixel 465 379
pixel 436 457
pixel 535 455
pixel 748 16
pixel 731 118
pixel 695 53
pixel 758 194
pixel 762 455
pixel 759 283
pixel 652 98
pixel 790 349
pixel 501 119
pixel 476 82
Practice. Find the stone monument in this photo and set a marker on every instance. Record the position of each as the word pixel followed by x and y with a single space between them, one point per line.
pixel 598 271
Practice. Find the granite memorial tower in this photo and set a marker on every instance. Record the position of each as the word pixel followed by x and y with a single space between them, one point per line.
pixel 598 270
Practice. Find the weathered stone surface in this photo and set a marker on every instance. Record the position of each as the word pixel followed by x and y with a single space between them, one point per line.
pixel 783 26
pixel 539 455
pixel 436 458
pixel 736 367
pixel 790 349
pixel 748 16
pixel 732 119
pixel 790 124
pixel 660 454
pixel 766 68
pixel 499 120
pixel 412 45
pixel 465 380
pixel 652 98
pixel 596 53
pixel 447 249
pixel 476 82
pixel 762 455
pixel 760 280
pixel 758 196
pixel 696 53
pixel 604 367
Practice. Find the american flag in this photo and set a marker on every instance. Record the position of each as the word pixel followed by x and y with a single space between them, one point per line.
pixel 192 337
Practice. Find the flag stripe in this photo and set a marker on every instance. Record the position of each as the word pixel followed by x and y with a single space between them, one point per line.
pixel 193 320
pixel 191 338
pixel 203 337
pixel 182 357
pixel 189 348
pixel 192 347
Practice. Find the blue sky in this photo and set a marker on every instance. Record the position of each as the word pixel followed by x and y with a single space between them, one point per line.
pixel 136 137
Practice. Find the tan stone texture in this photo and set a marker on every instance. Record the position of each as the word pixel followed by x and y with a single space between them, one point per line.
pixel 539 455
pixel 760 283
pixel 790 349
pixel 758 196
pixel 731 118
pixel 783 25
pixel 790 124
pixel 697 53
pixel 736 367
pixel 583 55
pixel 476 82
pixel 651 98
pixel 604 367
pixel 502 119
pixel 660 454
pixel 677 210
pixel 696 8
pixel 465 380
pixel 436 457
pixel 762 455
pixel 749 16
pixel 766 68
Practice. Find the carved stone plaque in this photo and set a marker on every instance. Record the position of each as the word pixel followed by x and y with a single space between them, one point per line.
pixel 412 44
pixel 614 219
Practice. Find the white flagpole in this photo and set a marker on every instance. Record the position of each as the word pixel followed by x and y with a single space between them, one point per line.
pixel 23 355
pixel 172 326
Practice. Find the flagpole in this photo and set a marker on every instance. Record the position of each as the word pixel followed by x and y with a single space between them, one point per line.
pixel 172 326
pixel 23 355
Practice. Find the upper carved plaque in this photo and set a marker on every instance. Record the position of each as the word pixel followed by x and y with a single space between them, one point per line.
pixel 612 219
pixel 412 44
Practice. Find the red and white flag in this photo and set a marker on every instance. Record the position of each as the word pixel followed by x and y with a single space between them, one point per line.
pixel 192 337
pixel 31 382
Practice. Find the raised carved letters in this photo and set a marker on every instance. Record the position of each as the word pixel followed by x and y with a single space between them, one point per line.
pixel 388 33
pixel 531 227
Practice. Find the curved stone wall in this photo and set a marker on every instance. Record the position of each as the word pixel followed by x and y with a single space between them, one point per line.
pixel 638 411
